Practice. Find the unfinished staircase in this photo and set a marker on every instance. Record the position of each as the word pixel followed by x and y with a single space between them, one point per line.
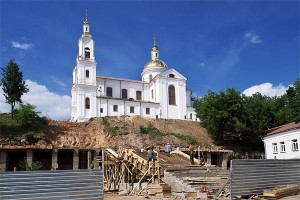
pixel 196 179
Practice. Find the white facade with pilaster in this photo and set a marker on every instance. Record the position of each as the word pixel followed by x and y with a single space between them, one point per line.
pixel 161 93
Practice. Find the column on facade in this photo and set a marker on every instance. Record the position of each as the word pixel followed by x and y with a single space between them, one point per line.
pixel 54 159
pixel 89 159
pixel 29 157
pixel 76 158
pixel 224 160
pixel 208 158
pixel 80 104
pixel 3 158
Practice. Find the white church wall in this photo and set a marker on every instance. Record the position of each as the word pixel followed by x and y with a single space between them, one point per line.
pixel 95 87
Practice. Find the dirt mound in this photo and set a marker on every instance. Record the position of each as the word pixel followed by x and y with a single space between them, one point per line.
pixel 122 131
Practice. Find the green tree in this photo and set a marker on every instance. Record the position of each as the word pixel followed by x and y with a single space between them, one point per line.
pixel 221 114
pixel 27 116
pixel 293 102
pixel 260 115
pixel 13 84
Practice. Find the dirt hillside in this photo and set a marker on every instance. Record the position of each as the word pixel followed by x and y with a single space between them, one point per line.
pixel 122 131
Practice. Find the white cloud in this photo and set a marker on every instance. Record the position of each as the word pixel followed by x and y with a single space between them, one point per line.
pixel 253 38
pixel 266 89
pixel 19 45
pixel 202 65
pixel 48 103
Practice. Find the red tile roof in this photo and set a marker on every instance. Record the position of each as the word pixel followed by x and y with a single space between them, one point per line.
pixel 284 128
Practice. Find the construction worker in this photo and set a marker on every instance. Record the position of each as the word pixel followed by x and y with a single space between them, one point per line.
pixel 191 151
pixel 150 152
pixel 168 148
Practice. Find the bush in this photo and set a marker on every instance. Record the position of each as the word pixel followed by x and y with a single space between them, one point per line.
pixel 27 116
pixel 152 131
pixel 35 166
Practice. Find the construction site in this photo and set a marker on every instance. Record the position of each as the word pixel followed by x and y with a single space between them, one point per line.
pixel 126 171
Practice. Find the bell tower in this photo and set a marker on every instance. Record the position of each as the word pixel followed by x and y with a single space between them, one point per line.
pixel 84 77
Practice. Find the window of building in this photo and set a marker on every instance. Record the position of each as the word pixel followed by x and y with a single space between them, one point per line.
pixel 87 73
pixel 131 109
pixel 101 110
pixel 150 77
pixel 172 100
pixel 86 29
pixel 87 52
pixel 148 111
pixel 109 91
pixel 295 146
pixel 171 75
pixel 124 94
pixel 87 103
pixel 191 116
pixel 115 108
pixel 275 148
pixel 152 94
pixel 138 95
pixel 282 147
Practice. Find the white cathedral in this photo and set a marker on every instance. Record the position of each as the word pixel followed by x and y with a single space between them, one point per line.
pixel 161 93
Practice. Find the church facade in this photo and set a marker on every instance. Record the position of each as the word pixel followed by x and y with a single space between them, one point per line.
pixel 161 93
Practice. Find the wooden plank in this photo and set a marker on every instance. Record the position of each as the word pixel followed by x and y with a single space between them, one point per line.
pixel 282 191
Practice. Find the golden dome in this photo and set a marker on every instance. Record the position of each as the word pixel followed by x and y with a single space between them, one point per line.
pixel 155 63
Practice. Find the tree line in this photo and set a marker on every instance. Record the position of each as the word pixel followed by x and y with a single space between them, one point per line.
pixel 233 118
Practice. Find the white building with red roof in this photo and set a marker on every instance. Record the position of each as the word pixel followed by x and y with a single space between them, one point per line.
pixel 283 142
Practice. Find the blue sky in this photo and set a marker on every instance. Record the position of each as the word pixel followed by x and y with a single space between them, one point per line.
pixel 249 45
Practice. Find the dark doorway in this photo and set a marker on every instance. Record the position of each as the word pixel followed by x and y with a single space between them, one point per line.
pixel 83 160
pixel 43 156
pixel 214 159
pixel 65 159
pixel 14 157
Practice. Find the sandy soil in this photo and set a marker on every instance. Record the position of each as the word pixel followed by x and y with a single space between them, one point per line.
pixel 92 134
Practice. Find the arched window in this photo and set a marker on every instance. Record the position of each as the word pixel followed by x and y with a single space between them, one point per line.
pixel 109 91
pixel 150 77
pixel 172 99
pixel 138 95
pixel 152 94
pixel 124 94
pixel 87 73
pixel 131 109
pixel 87 103
pixel 171 75
pixel 87 52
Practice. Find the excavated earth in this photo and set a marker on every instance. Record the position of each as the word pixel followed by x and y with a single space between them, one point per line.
pixel 93 134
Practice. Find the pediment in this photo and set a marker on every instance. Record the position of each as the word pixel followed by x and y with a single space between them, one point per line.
pixel 172 72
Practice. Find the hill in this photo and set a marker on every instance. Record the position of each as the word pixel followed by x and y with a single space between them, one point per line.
pixel 126 131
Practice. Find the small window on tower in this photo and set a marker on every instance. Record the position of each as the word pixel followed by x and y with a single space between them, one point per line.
pixel 87 52
pixel 87 103
pixel 87 73
pixel 86 29
pixel 171 75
